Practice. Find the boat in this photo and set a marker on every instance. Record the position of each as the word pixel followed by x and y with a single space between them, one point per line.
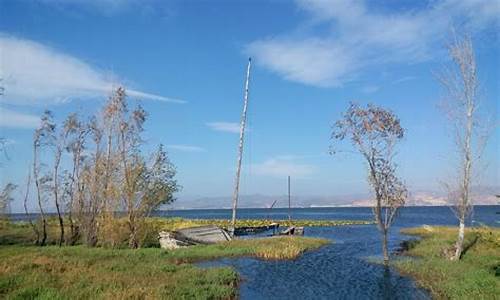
pixel 248 230
pixel 205 235
pixel 208 234
pixel 291 230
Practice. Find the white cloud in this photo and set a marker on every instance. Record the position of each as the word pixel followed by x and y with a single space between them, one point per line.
pixel 113 7
pixel 231 127
pixel 186 148
pixel 404 79
pixel 13 119
pixel 34 73
pixel 370 89
pixel 359 38
pixel 282 166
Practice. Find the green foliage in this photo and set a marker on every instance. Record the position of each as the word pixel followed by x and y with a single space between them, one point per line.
pixel 78 272
pixel 472 277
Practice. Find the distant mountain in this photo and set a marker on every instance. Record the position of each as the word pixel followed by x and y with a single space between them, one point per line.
pixel 482 196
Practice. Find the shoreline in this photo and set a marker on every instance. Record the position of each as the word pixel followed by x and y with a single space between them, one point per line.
pixel 475 276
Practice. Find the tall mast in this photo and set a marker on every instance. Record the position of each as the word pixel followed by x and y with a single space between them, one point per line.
pixel 240 149
pixel 289 204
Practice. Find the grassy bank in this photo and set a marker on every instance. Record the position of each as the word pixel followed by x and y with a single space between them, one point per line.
pixel 87 273
pixel 475 276
pixel 21 232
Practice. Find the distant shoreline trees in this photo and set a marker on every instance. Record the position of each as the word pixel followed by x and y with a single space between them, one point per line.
pixel 374 132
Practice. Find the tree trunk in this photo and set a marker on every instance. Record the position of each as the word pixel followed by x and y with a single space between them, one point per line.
pixel 25 204
pixel 384 247
pixel 91 239
pixel 460 240
pixel 59 217
pixel 39 197
pixel 132 242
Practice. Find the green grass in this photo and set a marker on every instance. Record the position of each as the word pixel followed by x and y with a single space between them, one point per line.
pixel 21 232
pixel 475 276
pixel 78 272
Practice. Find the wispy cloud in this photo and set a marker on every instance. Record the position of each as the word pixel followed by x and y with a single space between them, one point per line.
pixel 360 38
pixel 14 119
pixel 186 148
pixel 282 166
pixel 33 73
pixel 370 89
pixel 404 79
pixel 231 127
pixel 113 7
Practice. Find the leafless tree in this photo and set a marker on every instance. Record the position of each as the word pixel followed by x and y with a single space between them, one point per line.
pixel 375 131
pixel 77 132
pixel 36 232
pixel 5 199
pixel 60 141
pixel 42 137
pixel 460 82
pixel 91 187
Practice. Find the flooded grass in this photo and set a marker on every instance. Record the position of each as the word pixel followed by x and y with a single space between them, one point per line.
pixel 79 272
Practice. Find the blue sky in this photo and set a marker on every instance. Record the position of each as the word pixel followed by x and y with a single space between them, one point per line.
pixel 185 62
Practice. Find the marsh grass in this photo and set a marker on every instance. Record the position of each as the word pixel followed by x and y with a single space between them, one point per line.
pixel 21 233
pixel 475 276
pixel 78 272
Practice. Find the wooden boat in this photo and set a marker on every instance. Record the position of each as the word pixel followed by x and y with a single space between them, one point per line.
pixel 209 234
pixel 293 231
pixel 247 230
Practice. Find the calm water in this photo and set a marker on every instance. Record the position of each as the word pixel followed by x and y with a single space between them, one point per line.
pixel 343 269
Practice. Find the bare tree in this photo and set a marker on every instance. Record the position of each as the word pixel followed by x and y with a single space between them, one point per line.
pixel 5 199
pixel 59 148
pixel 375 132
pixel 91 187
pixel 26 211
pixel 42 137
pixel 77 132
pixel 461 84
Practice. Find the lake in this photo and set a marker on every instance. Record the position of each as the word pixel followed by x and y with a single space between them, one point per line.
pixel 343 269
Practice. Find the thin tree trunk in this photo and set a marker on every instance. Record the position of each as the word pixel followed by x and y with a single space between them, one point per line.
pixel 25 204
pixel 133 243
pixel 460 240
pixel 385 248
pixel 72 227
pixel 56 197
pixel 39 197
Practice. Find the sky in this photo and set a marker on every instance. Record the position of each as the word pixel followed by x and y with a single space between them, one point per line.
pixel 185 62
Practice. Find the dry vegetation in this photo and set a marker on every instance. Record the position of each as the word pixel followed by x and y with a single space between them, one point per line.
pixel 21 233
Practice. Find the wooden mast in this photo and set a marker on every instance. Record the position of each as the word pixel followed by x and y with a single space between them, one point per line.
pixel 289 205
pixel 240 150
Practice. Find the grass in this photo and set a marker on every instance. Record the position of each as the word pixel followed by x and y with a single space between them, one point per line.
pixel 78 272
pixel 475 276
pixel 28 272
pixel 21 232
